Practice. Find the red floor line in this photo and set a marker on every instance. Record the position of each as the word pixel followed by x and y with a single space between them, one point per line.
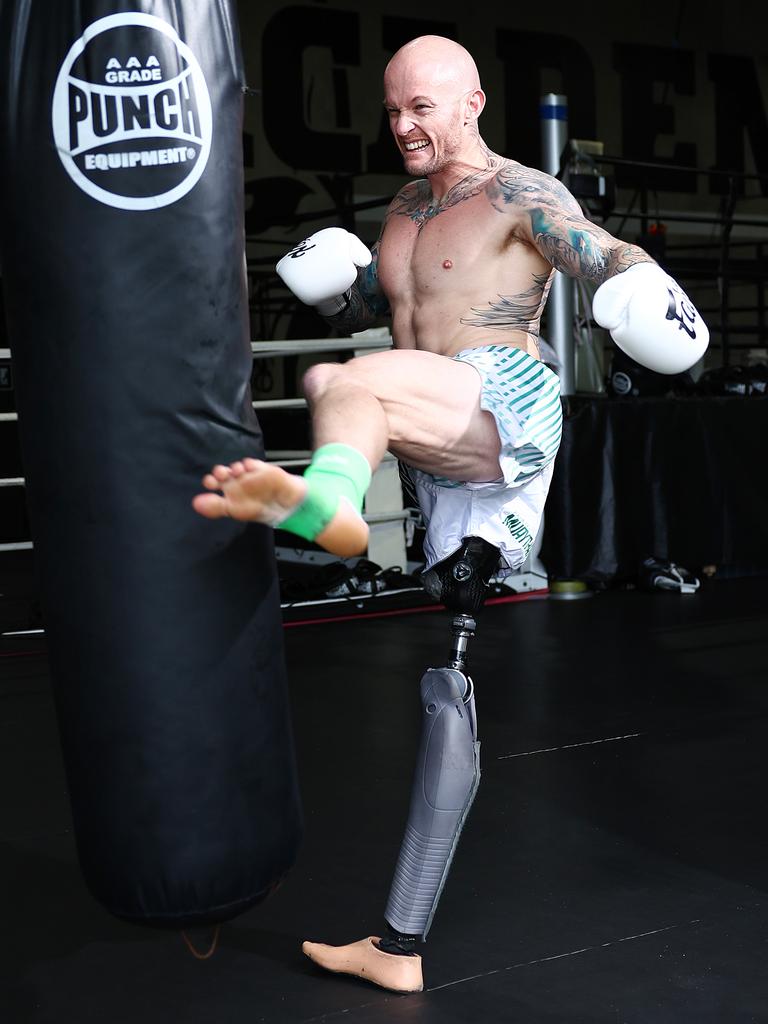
pixel 509 599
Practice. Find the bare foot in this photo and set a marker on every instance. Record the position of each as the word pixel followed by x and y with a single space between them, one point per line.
pixel 260 492
pixel 251 490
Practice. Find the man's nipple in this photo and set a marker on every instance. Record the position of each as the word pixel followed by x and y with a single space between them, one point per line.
pixel 447 264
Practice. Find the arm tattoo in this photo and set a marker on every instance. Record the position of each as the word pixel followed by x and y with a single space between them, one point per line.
pixel 625 256
pixel 558 228
pixel 521 312
pixel 569 249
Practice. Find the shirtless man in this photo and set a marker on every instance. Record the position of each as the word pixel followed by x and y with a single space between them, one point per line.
pixel 463 265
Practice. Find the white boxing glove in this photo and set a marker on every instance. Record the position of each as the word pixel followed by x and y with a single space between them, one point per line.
pixel 651 319
pixel 323 267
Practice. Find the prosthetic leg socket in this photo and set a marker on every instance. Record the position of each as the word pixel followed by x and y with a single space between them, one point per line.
pixel 461 580
pixel 446 780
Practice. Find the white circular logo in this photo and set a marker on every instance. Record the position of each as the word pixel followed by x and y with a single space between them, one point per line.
pixel 131 113
pixel 622 383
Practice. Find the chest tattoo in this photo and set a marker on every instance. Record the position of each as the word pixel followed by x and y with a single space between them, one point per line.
pixel 420 206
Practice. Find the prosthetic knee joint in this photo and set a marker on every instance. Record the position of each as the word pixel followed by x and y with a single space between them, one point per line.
pixel 448 764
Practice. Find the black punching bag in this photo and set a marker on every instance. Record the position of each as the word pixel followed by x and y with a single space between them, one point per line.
pixel 121 199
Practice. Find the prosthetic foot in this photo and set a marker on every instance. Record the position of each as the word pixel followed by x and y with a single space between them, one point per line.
pixel 365 960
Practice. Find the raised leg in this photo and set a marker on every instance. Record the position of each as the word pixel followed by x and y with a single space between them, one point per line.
pixel 423 407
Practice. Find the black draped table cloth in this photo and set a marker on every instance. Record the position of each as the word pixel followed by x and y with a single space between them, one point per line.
pixel 683 479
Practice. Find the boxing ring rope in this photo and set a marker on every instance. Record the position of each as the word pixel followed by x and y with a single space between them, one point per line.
pixel 384 510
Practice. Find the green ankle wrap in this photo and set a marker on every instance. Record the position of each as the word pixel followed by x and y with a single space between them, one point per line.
pixel 336 471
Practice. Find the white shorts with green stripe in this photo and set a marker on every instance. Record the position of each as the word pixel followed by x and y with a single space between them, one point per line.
pixel 523 396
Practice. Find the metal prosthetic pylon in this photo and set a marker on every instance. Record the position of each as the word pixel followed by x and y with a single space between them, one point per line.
pixel 462 630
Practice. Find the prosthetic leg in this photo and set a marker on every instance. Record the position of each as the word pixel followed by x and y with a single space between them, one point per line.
pixel 448 764
pixel 445 782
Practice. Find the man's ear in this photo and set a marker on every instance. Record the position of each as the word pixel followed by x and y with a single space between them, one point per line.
pixel 475 104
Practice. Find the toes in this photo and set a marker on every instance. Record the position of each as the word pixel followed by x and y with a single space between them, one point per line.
pixel 221 474
pixel 212 506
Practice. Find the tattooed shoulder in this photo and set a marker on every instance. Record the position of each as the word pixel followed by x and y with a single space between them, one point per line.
pixel 551 219
pixel 515 185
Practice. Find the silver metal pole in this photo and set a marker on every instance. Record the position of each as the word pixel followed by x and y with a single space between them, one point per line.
pixel 561 308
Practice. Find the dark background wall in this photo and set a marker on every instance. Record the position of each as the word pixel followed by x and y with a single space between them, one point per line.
pixel 673 82
pixel 670 81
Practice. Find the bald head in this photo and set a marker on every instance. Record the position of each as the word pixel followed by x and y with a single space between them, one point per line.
pixel 436 60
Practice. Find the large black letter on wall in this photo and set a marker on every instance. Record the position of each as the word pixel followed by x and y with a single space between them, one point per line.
pixel 286 37
pixel 383 157
pixel 642 118
pixel 738 110
pixel 525 55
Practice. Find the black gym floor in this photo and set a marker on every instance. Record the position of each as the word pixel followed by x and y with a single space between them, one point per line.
pixel 614 868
